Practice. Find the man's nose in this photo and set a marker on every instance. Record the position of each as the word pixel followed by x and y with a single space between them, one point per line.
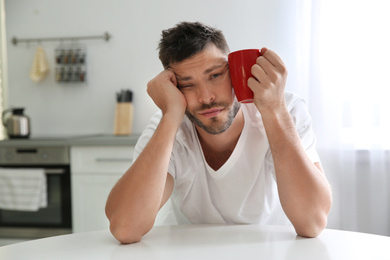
pixel 206 95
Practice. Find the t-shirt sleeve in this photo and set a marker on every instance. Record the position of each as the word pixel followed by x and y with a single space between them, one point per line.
pixel 147 134
pixel 304 125
pixel 171 166
pixel 145 137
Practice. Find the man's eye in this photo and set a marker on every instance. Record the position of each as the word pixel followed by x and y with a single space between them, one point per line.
pixel 184 86
pixel 215 75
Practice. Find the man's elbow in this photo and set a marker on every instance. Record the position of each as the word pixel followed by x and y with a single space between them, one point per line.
pixel 128 232
pixel 125 236
pixel 312 229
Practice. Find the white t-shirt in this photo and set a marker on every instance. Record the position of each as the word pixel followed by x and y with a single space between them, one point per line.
pixel 243 190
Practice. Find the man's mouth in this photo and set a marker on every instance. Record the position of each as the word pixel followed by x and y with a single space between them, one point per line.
pixel 209 113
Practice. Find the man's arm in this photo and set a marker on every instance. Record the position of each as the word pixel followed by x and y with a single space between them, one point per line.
pixel 303 189
pixel 135 200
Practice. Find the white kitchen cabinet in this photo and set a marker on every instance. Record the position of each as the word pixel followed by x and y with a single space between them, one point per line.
pixel 94 171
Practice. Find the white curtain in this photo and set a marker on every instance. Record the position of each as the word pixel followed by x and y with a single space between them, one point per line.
pixel 349 99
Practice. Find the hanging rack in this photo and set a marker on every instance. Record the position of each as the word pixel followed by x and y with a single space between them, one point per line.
pixel 105 37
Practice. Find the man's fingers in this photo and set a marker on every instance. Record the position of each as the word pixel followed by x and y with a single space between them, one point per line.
pixel 273 58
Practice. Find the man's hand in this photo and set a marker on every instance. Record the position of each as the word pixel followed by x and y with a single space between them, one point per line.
pixel 268 81
pixel 165 94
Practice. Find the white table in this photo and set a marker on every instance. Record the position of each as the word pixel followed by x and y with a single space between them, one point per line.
pixel 206 242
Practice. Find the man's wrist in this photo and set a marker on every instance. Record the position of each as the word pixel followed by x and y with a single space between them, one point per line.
pixel 275 111
pixel 173 118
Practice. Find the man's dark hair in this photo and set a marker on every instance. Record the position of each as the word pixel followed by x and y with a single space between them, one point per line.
pixel 187 39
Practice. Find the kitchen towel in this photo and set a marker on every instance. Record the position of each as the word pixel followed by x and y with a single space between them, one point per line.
pixel 40 67
pixel 23 189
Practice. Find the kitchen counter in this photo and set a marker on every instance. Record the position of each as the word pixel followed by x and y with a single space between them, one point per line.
pixel 86 140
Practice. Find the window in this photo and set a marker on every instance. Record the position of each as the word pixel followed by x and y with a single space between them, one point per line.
pixel 354 65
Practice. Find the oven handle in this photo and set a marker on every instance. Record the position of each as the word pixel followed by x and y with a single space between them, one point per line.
pixel 113 160
pixel 54 171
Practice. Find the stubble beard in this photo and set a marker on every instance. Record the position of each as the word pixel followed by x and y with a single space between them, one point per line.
pixel 216 126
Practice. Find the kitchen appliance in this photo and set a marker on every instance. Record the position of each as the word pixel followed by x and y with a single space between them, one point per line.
pixel 55 219
pixel 17 124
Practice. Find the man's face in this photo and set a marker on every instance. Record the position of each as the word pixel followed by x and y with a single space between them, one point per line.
pixel 205 83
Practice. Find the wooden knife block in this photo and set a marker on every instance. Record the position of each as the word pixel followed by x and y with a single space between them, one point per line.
pixel 123 122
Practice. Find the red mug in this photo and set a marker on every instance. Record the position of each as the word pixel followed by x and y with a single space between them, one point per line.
pixel 240 64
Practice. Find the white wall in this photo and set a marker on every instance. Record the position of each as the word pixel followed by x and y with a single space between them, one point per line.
pixel 129 59
pixel 3 67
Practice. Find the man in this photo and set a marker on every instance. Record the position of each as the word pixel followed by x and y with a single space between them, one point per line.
pixel 222 162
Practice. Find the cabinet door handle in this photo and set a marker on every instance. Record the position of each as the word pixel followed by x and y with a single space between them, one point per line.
pixel 114 159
